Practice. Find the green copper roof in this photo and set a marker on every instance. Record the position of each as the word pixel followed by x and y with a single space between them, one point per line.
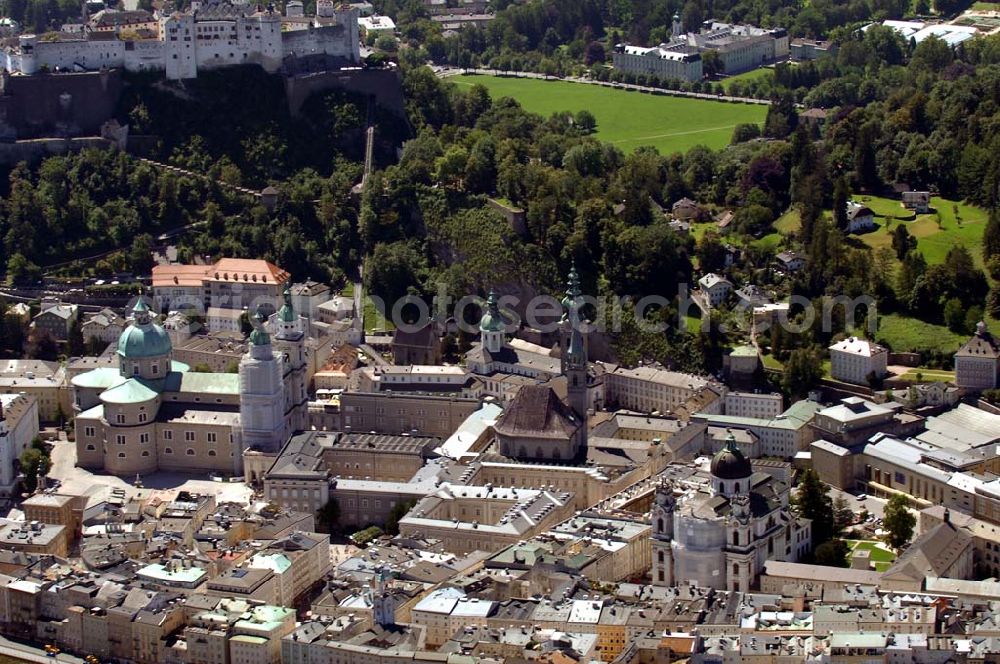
pixel 131 391
pixel 144 340
pixel 210 383
pixel 259 336
pixel 492 320
pixel 287 313
pixel 101 378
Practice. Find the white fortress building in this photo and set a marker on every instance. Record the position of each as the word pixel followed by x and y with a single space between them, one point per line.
pixel 720 535
pixel 209 36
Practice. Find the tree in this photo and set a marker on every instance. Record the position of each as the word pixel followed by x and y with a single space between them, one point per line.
pixel 745 131
pixel 898 522
pixel 841 192
pixel 140 256
pixel 902 242
pixel 21 271
pixel 41 346
pixel 34 460
pixel 843 515
pixel 328 516
pixel 835 553
pixel 954 315
pixel 75 345
pixel 585 122
pixel 812 501
pixel 397 512
pixel 803 370
pixel 991 236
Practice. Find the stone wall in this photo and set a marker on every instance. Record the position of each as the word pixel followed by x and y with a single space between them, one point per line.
pixel 58 104
pixel 384 84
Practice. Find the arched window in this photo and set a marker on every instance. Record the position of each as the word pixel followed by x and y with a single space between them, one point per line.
pixel 539 453
pixel 736 538
pixel 659 557
pixel 145 453
pixel 736 571
pixel 659 525
pixel 189 452
pixel 736 487
pixel 211 453
pixel 168 450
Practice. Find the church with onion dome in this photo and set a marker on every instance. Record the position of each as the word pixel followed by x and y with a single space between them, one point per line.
pixel 152 413
pixel 719 533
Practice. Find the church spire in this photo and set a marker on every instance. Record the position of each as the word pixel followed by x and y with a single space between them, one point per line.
pixel 259 335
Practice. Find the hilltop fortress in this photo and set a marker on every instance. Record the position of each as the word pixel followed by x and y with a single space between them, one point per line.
pixel 205 37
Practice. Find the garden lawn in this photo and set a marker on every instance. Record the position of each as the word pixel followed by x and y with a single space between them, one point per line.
pixel 903 333
pixel 929 375
pixel 960 223
pixel 882 558
pixel 627 118
pixel 746 76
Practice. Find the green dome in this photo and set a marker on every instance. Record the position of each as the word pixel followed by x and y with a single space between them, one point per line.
pixel 492 320
pixel 148 340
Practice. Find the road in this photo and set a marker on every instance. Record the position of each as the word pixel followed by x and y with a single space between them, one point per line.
pixel 27 653
pixel 80 480
pixel 875 506
pixel 448 72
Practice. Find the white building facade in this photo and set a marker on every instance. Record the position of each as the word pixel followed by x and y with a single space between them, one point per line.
pixel 218 36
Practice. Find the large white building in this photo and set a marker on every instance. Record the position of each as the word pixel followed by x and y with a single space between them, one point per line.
pixel 740 48
pixel 719 536
pixel 855 360
pixel 666 61
pixel 214 35
pixel 18 427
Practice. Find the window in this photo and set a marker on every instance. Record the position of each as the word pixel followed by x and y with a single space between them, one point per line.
pixel 211 437
pixel 145 453
pixel 189 452
pixel 121 455
pixel 189 436
pixel 168 434
pixel 142 417
pixel 91 448
pixel 168 450
pixel 120 418
pixel 211 453
pixel 143 437
pixel 88 432
pixel 120 439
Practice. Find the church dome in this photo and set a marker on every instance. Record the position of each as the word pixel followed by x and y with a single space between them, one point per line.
pixel 729 463
pixel 143 338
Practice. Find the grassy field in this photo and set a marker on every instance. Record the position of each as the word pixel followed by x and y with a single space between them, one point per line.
pixel 905 333
pixel 929 374
pixel 751 75
pixel 882 558
pixel 626 118
pixel 948 224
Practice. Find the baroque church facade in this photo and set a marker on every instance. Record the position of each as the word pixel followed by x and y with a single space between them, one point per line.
pixel 720 535
pixel 152 413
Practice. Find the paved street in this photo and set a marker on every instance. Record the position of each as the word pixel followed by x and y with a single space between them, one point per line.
pixel 25 653
pixel 80 480
pixel 875 506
